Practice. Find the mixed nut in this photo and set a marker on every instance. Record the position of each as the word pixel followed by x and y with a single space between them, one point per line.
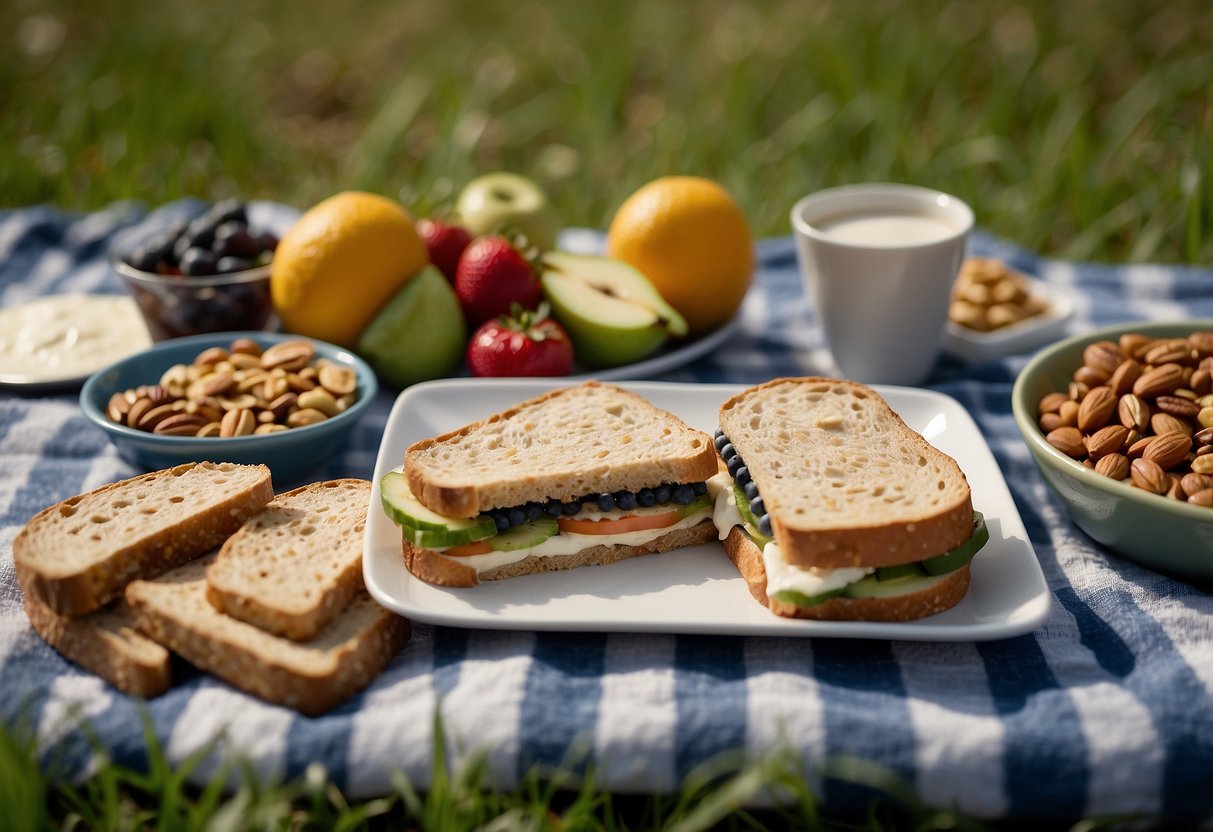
pixel 988 296
pixel 239 391
pixel 1140 410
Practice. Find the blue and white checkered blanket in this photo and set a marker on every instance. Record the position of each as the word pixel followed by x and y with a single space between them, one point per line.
pixel 1107 708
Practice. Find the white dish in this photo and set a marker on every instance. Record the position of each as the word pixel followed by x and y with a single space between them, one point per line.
pixel 693 590
pixel 667 358
pixel 975 347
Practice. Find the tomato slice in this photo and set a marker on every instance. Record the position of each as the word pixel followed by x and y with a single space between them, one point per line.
pixel 631 523
pixel 478 547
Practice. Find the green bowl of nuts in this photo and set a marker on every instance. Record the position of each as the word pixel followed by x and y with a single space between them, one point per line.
pixel 247 397
pixel 1120 423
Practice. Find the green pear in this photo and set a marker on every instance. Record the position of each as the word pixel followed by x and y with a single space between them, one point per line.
pixel 419 334
pixel 501 201
pixel 612 312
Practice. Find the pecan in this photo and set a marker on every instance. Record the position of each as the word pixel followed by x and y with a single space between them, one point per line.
pixel 1177 406
pixel 1203 437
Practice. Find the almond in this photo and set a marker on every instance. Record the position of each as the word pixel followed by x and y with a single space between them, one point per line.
pixel 1193 482
pixel 1177 406
pixel 1068 440
pixel 1168 450
pixel 1202 342
pixel 246 346
pixel 1169 351
pixel 1125 376
pixel 180 424
pixel 217 384
pixel 1131 342
pixel 1139 447
pixel 1115 466
pixel 1103 355
pixel 1069 413
pixel 1106 440
pixel 1051 403
pixel 1163 423
pixel 1174 489
pixel 1147 476
pixel 1202 498
pixel 118 407
pixel 237 422
pixel 154 416
pixel 1096 409
pixel 288 355
pixel 1202 382
pixel 211 356
pixel 1091 376
pixel 1160 381
pixel 1078 390
pixel 1133 412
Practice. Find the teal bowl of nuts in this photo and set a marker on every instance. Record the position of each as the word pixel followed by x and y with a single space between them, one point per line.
pixel 246 397
pixel 1120 423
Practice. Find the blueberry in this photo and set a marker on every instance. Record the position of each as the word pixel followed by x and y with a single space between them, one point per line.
pixel 231 265
pixel 232 239
pixel 742 476
pixel 625 500
pixel 751 490
pixel 181 245
pixel 728 451
pixel 662 493
pixel 145 258
pixel 228 210
pixel 202 231
pixel 606 502
pixel 517 516
pixel 197 261
pixel 764 525
pixel 700 488
pixel 267 242
pixel 720 440
pixel 757 508
pixel 501 520
pixel 645 497
pixel 682 494
pixel 572 507
pixel 533 510
pixel 734 464
pixel 554 508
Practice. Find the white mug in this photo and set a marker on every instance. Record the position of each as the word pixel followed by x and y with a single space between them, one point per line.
pixel 879 262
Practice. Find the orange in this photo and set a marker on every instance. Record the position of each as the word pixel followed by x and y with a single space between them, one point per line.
pixel 689 237
pixel 340 263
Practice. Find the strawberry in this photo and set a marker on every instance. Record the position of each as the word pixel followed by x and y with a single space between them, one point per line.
pixel 445 242
pixel 524 343
pixel 493 275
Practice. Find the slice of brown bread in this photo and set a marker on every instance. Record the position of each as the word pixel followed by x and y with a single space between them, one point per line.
pixel 747 557
pixel 561 445
pixel 310 676
pixel 291 569
pixel 105 642
pixel 434 568
pixel 845 481
pixel 79 554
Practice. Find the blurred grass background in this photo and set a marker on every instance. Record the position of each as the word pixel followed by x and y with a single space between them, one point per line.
pixel 1080 129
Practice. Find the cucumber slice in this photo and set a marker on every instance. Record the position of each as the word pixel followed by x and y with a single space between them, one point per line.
pixel 529 534
pixel 791 596
pixel 870 587
pixel 899 572
pixel 953 559
pixel 439 538
pixel 407 511
pixel 697 505
pixel 743 506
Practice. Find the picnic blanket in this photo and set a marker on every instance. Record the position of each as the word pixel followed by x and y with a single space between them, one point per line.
pixel 1107 708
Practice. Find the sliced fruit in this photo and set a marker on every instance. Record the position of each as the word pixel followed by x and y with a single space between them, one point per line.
pixel 743 506
pixel 628 523
pixel 407 511
pixel 870 587
pixel 953 559
pixel 899 572
pixel 695 506
pixel 480 547
pixel 529 534
pixel 791 596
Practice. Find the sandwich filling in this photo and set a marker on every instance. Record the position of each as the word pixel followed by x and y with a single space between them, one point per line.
pixel 737 503
pixel 556 528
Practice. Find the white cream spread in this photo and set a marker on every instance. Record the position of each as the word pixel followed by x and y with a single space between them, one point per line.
pixel 67 336
pixel 566 543
pixel 725 514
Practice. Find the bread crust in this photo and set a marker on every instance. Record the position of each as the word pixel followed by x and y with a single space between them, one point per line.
pixel 105 643
pixel 87 588
pixel 456 499
pixel 878 543
pixel 747 557
pixel 434 568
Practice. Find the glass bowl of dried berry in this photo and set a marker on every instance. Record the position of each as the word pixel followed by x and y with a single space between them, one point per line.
pixel 205 270
pixel 1120 423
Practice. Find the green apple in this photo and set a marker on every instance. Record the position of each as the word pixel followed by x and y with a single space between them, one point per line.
pixel 419 334
pixel 612 312
pixel 497 202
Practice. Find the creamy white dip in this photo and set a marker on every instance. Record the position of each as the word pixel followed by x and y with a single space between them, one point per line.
pixel 64 337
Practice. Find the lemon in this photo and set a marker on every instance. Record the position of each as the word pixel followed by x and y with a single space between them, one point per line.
pixel 341 262
pixel 690 238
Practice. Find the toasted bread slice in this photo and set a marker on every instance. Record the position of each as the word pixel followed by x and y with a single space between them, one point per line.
pixel 310 676
pixel 105 642
pixel 942 595
pixel 291 569
pixel 561 445
pixel 435 568
pixel 77 555
pixel 844 480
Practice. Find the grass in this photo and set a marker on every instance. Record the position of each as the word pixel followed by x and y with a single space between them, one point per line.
pixel 1081 132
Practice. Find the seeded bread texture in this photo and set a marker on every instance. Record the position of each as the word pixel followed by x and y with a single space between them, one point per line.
pixel 432 567
pixel 77 555
pixel 105 642
pixel 311 676
pixel 564 444
pixel 747 557
pixel 291 569
pixel 845 481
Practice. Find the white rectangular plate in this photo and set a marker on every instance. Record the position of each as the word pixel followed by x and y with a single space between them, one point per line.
pixel 693 590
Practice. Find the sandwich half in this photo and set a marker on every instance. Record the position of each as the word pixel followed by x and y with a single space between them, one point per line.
pixel 831 507
pixel 580 476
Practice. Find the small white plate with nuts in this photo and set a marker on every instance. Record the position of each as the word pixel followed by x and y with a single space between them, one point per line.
pixel 997 311
pixel 245 397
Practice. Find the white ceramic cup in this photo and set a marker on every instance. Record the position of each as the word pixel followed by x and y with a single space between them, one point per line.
pixel 879 261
